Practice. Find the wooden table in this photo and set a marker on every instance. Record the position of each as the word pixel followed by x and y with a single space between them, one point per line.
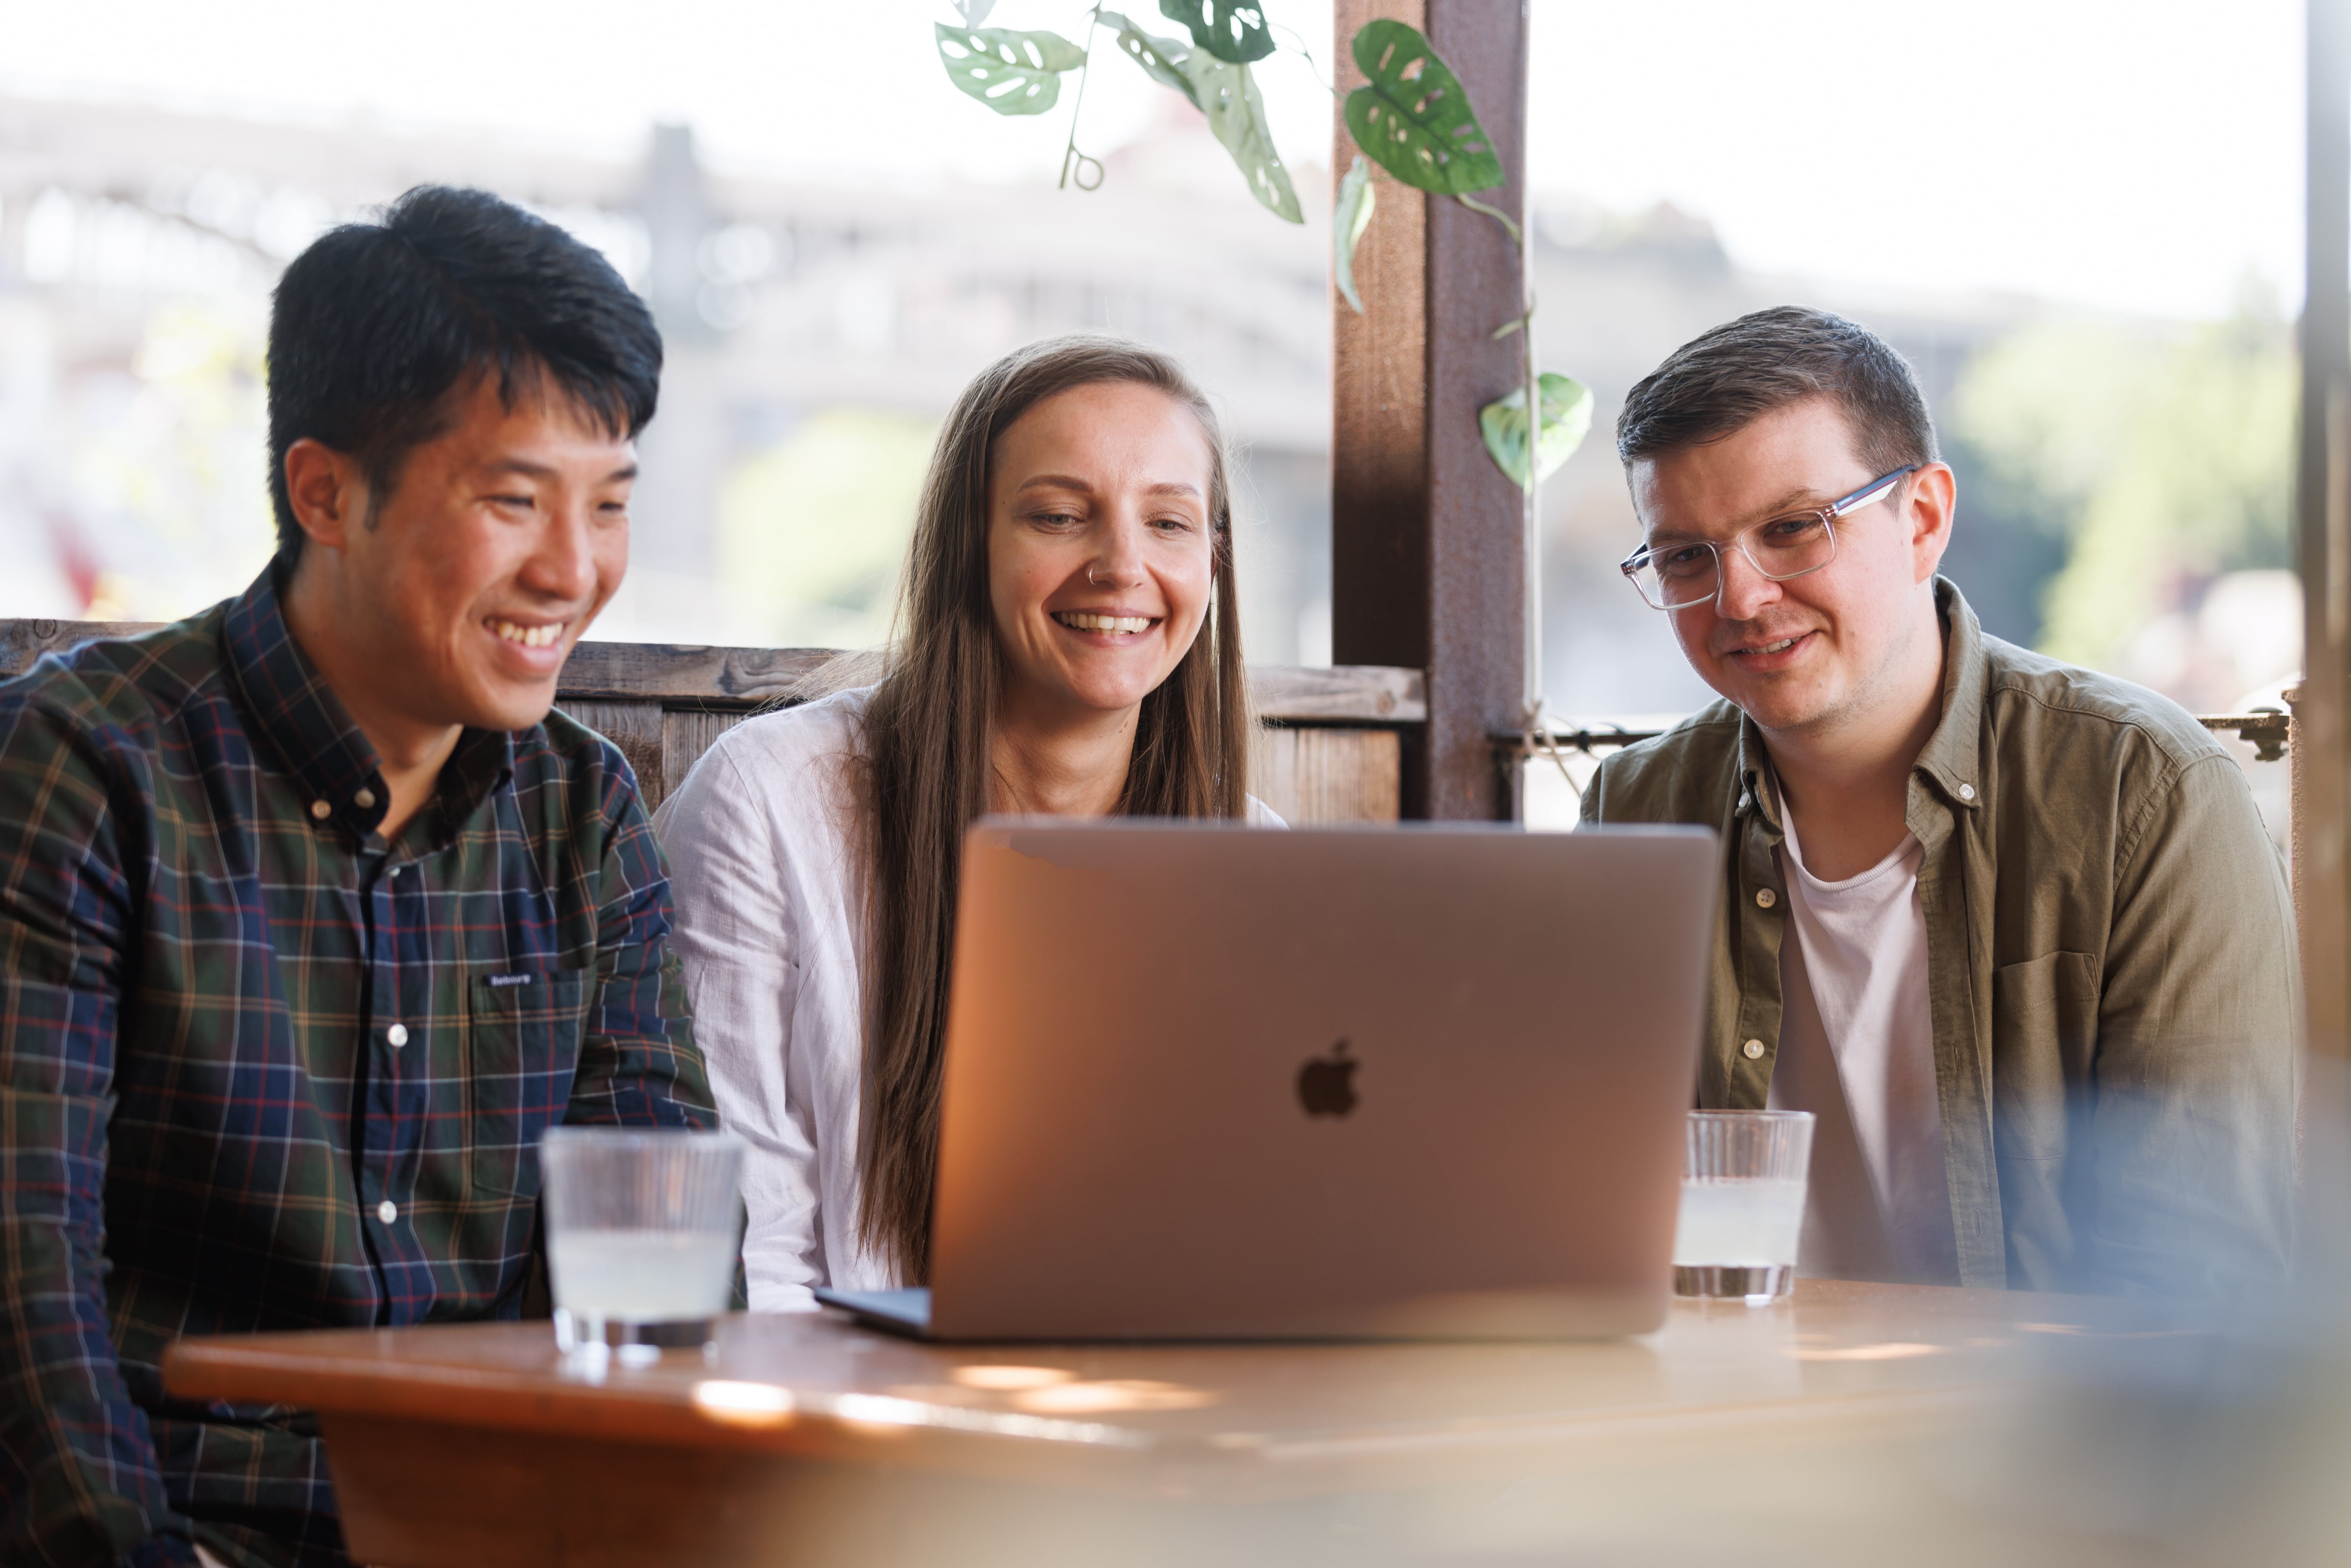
pixel 1822 1428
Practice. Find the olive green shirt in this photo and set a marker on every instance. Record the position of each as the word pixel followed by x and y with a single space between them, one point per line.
pixel 2111 968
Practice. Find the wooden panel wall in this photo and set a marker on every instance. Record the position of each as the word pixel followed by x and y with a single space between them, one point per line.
pixel 635 726
pixel 686 734
pixel 1328 775
pixel 1331 748
pixel 1306 774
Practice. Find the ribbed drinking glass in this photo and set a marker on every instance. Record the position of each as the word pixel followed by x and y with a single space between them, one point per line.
pixel 1742 1203
pixel 643 1228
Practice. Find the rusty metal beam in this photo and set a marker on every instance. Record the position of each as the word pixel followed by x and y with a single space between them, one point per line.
pixel 1428 565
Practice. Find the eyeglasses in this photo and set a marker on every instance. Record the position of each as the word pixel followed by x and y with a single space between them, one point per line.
pixel 1678 573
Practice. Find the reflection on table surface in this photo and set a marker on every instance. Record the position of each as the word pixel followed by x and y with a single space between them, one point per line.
pixel 1938 1425
pixel 1221 1414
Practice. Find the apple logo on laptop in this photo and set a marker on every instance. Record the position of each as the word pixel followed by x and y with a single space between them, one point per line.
pixel 1326 1084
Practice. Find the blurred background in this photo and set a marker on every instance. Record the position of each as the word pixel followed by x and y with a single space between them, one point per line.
pixel 2093 267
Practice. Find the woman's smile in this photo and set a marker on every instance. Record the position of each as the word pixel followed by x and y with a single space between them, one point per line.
pixel 1111 626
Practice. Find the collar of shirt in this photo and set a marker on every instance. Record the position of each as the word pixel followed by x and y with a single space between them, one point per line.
pixel 295 714
pixel 1952 757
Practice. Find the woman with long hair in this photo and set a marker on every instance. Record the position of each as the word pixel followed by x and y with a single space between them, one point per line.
pixel 1068 642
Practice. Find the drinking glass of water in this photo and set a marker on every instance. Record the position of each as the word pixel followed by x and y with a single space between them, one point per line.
pixel 642 1229
pixel 1742 1203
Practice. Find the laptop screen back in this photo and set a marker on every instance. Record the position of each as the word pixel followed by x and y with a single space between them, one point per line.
pixel 1209 1082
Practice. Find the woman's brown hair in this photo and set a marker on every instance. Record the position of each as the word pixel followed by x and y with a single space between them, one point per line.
pixel 928 728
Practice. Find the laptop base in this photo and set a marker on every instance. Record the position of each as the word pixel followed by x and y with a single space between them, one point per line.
pixel 905 1313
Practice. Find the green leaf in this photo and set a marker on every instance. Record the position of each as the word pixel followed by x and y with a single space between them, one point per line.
pixel 1152 55
pixel 1415 118
pixel 1349 218
pixel 1228 95
pixel 1566 417
pixel 974 12
pixel 1234 34
pixel 1012 73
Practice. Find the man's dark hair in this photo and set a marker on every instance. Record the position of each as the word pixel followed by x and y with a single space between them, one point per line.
pixel 1723 380
pixel 377 327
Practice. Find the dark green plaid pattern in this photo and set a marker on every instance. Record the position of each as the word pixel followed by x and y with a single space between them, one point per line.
pixel 261 1070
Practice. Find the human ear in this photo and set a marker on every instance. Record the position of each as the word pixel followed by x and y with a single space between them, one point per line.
pixel 1933 507
pixel 324 488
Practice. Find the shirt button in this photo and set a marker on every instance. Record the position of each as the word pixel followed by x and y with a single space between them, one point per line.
pixel 1765 898
pixel 1753 1050
pixel 321 810
pixel 1967 791
pixel 387 1212
pixel 397 1034
pixel 363 800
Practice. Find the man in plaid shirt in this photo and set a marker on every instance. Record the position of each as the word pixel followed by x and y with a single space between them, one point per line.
pixel 312 914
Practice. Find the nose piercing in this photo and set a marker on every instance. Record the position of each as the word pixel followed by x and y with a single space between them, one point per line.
pixel 1091 582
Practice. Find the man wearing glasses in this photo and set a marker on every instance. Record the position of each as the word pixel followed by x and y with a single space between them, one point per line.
pixel 2010 929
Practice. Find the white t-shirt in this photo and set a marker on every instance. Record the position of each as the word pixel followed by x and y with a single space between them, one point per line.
pixel 769 903
pixel 1857 1049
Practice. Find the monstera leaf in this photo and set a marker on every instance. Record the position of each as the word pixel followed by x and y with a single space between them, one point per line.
pixel 1350 216
pixel 1228 95
pixel 974 12
pixel 1157 56
pixel 1012 73
pixel 1567 416
pixel 1233 33
pixel 1414 119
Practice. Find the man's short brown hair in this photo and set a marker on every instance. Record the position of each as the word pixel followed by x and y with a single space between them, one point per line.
pixel 1724 379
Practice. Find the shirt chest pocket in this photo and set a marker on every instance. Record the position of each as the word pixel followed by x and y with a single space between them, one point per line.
pixel 522 1047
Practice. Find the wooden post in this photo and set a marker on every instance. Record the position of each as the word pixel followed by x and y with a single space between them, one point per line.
pixel 1428 565
pixel 2323 802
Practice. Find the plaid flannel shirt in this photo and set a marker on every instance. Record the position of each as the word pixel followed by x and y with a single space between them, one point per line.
pixel 261 1070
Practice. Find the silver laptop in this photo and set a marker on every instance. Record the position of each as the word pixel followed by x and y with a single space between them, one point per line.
pixel 1203 1081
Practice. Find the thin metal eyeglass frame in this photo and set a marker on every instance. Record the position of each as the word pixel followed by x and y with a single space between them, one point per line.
pixel 1869 495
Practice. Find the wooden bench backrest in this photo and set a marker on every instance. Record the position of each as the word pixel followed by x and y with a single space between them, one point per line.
pixel 1328 749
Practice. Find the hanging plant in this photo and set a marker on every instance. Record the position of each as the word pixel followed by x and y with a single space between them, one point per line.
pixel 1233 33
pixel 1566 419
pixel 1223 90
pixel 1351 215
pixel 1012 73
pixel 1412 118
